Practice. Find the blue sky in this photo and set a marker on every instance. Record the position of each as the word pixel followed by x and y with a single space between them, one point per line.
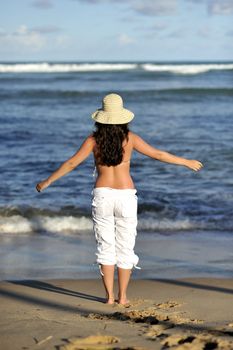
pixel 116 30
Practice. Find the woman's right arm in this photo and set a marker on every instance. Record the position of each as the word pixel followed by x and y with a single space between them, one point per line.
pixel 142 147
pixel 70 164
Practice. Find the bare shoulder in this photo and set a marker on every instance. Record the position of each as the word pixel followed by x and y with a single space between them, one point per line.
pixel 90 138
pixel 134 138
pixel 90 141
pixel 131 135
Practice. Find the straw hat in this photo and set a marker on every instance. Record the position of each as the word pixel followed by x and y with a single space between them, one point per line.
pixel 112 111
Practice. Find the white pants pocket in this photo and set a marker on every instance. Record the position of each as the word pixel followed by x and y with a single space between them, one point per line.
pixel 128 207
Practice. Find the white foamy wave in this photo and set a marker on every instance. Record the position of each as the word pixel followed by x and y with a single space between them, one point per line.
pixel 46 67
pixel 150 224
pixel 186 68
pixel 63 67
pixel 18 224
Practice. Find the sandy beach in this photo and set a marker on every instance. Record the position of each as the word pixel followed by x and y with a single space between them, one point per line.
pixel 195 313
pixel 184 218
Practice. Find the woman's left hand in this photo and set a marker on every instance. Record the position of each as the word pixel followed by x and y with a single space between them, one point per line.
pixel 42 185
pixel 194 164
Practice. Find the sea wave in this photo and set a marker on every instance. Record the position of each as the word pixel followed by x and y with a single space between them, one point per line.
pixel 46 67
pixel 159 225
pixel 63 67
pixel 70 220
pixel 30 220
pixel 18 224
pixel 187 68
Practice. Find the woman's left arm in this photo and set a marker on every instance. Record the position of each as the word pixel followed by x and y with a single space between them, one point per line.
pixel 70 164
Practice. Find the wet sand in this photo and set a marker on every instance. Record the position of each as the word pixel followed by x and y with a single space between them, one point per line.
pixel 191 313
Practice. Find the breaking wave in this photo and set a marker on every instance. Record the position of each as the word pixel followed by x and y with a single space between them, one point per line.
pixel 46 67
pixel 27 221
pixel 63 67
pixel 18 224
pixel 187 68
pixel 152 217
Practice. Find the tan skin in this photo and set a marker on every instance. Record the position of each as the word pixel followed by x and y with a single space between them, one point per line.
pixel 117 177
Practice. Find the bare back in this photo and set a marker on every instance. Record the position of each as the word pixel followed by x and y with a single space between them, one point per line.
pixel 116 176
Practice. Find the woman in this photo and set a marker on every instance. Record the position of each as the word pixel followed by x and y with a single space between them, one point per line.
pixel 114 204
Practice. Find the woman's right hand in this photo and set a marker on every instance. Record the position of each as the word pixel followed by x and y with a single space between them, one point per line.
pixel 42 185
pixel 194 164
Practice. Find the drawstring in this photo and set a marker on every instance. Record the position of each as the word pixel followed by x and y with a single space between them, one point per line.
pixel 101 272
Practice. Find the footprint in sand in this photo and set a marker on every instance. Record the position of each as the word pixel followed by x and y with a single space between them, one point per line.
pixel 192 341
pixel 153 316
pixel 177 319
pixel 167 305
pixel 157 331
pixel 176 339
pixel 149 316
pixel 95 316
pixel 94 342
pixel 159 325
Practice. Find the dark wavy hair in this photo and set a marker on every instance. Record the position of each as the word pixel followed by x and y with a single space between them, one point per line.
pixel 109 139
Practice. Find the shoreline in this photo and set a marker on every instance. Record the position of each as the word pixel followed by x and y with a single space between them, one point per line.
pixel 176 255
pixel 190 313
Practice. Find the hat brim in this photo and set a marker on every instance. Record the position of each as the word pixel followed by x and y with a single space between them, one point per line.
pixel 120 117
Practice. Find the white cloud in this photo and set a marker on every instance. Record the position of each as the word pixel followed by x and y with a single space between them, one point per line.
pixel 22 30
pixel 22 38
pixel 24 41
pixel 125 40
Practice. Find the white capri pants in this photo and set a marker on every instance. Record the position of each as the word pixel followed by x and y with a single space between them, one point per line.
pixel 114 214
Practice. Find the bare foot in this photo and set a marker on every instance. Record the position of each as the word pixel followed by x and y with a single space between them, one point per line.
pixel 110 300
pixel 123 302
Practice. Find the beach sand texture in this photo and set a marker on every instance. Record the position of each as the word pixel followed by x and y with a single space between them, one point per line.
pixel 176 314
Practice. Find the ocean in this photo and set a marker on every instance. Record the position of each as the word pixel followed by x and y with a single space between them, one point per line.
pixel 185 219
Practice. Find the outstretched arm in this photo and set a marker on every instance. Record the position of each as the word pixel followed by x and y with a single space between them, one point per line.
pixel 70 164
pixel 141 146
